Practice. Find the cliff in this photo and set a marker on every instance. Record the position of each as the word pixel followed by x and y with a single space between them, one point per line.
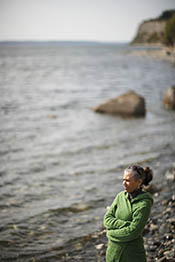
pixel 152 31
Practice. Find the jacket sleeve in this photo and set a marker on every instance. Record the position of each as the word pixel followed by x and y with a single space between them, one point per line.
pixel 110 221
pixel 131 232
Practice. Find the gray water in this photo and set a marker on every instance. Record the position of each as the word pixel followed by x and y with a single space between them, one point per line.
pixel 61 164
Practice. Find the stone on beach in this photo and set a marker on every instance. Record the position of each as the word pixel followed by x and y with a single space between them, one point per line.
pixel 99 246
pixel 169 98
pixel 129 104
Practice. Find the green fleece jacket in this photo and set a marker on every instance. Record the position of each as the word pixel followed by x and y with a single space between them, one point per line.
pixel 125 221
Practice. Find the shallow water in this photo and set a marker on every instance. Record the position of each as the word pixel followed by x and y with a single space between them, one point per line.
pixel 61 164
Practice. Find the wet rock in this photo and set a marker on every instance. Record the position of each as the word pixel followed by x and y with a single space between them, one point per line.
pixel 78 246
pixel 52 116
pixel 152 248
pixel 129 104
pixel 162 259
pixel 172 221
pixel 153 227
pixel 168 236
pixel 170 174
pixel 169 98
pixel 15 227
pixel 165 202
pixel 163 228
pixel 99 246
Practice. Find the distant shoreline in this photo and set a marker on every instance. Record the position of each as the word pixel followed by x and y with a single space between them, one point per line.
pixel 60 42
pixel 156 51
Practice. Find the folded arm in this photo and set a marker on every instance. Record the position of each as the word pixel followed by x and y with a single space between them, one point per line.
pixel 111 222
pixel 132 231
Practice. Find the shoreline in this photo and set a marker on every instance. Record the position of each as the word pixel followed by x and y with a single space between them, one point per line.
pixel 154 51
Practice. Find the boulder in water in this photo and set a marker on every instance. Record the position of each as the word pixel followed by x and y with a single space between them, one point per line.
pixel 129 104
pixel 169 98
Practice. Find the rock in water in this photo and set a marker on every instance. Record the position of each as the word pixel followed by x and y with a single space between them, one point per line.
pixel 129 104
pixel 169 98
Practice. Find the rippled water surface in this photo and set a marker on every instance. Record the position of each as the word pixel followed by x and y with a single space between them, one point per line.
pixel 61 164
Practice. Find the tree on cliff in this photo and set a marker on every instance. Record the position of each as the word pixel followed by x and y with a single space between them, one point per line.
pixel 169 33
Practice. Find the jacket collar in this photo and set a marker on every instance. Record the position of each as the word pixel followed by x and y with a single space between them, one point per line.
pixel 135 193
pixel 143 195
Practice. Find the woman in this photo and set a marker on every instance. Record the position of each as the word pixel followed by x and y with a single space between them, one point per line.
pixel 127 216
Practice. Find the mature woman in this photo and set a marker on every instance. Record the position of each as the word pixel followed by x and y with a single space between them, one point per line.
pixel 127 216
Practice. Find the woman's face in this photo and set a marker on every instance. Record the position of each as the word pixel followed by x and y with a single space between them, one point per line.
pixel 129 182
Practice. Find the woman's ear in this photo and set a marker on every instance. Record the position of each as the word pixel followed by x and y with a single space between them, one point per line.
pixel 139 181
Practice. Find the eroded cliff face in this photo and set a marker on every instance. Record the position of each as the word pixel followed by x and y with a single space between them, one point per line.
pixel 152 31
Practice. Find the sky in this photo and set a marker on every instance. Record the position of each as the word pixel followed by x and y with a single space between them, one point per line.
pixel 76 20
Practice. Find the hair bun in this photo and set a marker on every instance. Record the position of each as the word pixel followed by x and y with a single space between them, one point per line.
pixel 148 175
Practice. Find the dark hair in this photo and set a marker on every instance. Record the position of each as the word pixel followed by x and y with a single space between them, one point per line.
pixel 148 175
pixel 138 172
